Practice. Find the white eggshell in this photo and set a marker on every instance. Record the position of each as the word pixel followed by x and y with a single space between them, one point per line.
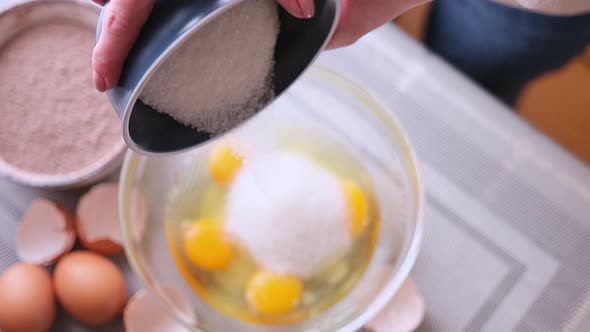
pixel 45 233
pixel 403 313
pixel 144 313
pixel 98 219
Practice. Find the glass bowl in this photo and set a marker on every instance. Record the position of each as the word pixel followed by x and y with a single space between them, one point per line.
pixel 345 113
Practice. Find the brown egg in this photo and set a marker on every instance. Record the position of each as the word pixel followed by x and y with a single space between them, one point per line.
pixel 90 287
pixel 27 300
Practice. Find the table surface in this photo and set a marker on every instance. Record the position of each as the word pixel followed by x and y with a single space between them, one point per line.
pixel 507 237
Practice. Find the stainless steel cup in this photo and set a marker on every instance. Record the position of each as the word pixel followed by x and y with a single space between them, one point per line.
pixel 171 22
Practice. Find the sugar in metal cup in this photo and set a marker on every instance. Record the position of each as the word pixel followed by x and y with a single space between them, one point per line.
pixel 172 22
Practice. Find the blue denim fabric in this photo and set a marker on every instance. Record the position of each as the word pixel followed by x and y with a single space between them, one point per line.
pixel 501 47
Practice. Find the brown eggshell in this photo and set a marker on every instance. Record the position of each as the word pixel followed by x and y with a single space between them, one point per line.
pixel 403 313
pixel 144 314
pixel 45 233
pixel 27 299
pixel 90 287
pixel 98 220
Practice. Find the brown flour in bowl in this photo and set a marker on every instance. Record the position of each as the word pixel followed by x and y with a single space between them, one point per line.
pixel 52 121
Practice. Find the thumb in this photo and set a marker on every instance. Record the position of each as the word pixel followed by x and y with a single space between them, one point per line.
pixel 121 25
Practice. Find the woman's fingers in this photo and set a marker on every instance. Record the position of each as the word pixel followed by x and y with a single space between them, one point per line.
pixel 121 24
pixel 299 8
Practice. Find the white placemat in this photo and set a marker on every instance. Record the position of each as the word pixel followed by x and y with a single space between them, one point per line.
pixel 507 241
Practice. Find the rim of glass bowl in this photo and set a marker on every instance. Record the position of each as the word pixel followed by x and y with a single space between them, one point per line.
pixel 131 166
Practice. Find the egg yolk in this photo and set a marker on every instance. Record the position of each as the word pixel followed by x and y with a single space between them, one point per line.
pixel 224 163
pixel 357 205
pixel 272 294
pixel 206 245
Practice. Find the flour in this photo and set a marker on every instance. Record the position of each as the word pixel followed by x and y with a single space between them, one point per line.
pixel 222 74
pixel 289 213
pixel 53 121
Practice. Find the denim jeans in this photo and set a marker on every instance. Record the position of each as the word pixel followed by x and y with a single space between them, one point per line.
pixel 500 47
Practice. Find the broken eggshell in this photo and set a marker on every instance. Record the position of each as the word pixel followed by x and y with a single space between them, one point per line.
pixel 45 233
pixel 98 220
pixel 403 313
pixel 144 313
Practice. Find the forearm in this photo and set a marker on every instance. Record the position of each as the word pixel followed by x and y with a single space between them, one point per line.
pixel 362 16
pixel 551 7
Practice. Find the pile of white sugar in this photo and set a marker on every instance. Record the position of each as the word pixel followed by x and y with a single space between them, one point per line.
pixel 289 213
pixel 222 74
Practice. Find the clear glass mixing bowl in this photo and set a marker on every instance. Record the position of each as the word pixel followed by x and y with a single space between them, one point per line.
pixel 321 101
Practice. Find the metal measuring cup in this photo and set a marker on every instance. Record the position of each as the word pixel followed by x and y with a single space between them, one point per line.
pixel 170 23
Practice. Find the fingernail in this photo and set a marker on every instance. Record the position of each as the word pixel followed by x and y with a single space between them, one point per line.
pixel 307 8
pixel 99 82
